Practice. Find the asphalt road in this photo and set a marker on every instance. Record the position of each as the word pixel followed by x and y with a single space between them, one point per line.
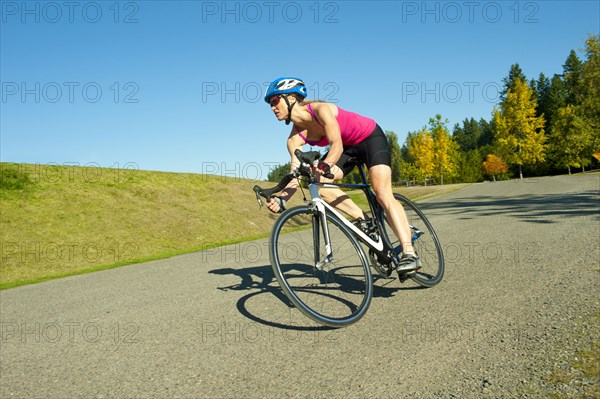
pixel 522 261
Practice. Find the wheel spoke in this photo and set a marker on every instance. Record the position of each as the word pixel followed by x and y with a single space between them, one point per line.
pixel 337 295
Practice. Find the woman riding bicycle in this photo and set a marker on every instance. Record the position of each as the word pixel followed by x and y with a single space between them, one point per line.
pixel 350 136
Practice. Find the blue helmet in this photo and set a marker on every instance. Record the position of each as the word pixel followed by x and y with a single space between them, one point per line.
pixel 286 85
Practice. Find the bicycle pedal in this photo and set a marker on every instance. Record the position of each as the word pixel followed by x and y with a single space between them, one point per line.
pixel 406 276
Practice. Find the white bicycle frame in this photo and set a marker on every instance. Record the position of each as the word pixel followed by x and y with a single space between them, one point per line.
pixel 323 207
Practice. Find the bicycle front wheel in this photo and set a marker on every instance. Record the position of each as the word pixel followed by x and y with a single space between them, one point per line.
pixel 334 292
pixel 426 243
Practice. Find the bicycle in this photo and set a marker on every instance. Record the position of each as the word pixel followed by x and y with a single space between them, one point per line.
pixel 317 254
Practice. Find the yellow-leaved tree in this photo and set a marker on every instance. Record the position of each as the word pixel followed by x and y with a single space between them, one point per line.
pixel 519 133
pixel 420 147
pixel 444 148
pixel 571 138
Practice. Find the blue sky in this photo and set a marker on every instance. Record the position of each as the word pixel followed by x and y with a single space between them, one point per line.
pixel 177 85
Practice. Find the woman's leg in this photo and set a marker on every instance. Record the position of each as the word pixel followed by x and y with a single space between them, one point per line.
pixel 337 198
pixel 381 179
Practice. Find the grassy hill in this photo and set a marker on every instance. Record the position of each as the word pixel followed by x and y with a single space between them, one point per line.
pixel 62 220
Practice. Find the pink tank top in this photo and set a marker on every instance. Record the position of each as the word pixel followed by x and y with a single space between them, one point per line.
pixel 354 128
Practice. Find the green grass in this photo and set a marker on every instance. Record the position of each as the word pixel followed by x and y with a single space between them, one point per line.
pixel 12 178
pixel 57 221
pixel 70 220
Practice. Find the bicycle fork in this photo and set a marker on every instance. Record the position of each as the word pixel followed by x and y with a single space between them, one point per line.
pixel 319 222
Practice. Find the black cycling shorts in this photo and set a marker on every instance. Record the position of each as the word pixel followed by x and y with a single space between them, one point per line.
pixel 374 150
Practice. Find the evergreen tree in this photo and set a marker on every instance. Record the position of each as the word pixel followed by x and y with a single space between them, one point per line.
pixel 514 74
pixel 572 70
pixel 396 155
pixel 467 136
pixel 278 173
pixel 404 152
pixel 542 89
pixel 487 133
pixel 589 88
pixel 458 134
pixel 533 88
pixel 468 167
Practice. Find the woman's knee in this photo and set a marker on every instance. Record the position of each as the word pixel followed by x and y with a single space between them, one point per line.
pixel 384 193
pixel 385 198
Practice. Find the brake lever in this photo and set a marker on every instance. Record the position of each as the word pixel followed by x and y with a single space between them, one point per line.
pixel 256 192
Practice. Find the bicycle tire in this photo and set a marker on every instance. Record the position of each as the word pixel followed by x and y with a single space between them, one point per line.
pixel 427 246
pixel 338 295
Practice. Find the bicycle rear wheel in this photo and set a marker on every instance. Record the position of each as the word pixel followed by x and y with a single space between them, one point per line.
pixel 425 241
pixel 337 293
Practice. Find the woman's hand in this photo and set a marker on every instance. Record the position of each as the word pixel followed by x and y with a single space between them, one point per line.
pixel 276 204
pixel 322 170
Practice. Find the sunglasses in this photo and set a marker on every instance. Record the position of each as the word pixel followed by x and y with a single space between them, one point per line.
pixel 274 100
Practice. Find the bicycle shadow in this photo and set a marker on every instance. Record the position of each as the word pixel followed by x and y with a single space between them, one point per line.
pixel 260 280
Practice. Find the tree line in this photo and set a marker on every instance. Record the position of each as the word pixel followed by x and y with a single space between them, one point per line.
pixel 541 126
